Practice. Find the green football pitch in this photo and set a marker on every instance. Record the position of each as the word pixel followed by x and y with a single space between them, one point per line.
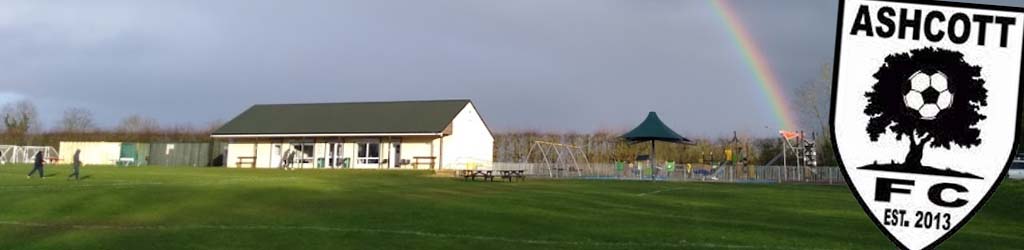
pixel 215 208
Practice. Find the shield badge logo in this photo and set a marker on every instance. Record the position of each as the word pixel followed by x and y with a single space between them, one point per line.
pixel 926 104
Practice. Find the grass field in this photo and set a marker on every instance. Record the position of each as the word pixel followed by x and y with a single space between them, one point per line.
pixel 212 208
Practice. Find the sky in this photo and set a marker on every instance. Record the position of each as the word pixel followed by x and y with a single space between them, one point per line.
pixel 547 65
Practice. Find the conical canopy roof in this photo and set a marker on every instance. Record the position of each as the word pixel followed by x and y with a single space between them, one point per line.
pixel 652 129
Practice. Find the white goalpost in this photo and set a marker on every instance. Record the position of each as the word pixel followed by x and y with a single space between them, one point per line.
pixel 10 154
pixel 29 153
pixel 7 153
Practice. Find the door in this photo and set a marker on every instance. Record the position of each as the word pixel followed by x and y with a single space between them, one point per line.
pixel 275 155
pixel 334 154
pixel 129 154
pixel 396 155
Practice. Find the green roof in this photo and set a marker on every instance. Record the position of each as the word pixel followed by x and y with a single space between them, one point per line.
pixel 346 118
pixel 652 129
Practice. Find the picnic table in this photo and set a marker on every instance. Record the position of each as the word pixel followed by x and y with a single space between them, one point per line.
pixel 419 160
pixel 509 175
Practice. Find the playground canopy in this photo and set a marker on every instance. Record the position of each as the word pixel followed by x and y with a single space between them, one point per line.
pixel 652 129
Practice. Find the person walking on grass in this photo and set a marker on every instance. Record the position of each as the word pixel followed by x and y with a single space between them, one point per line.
pixel 38 166
pixel 289 160
pixel 75 165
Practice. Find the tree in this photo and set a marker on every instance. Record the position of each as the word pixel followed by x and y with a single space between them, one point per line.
pixel 814 105
pixel 766 149
pixel 213 126
pixel 137 124
pixel 954 125
pixel 76 120
pixel 19 118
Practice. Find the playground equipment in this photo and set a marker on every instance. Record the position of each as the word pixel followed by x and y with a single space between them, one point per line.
pixel 10 154
pixel 803 151
pixel 735 160
pixel 559 159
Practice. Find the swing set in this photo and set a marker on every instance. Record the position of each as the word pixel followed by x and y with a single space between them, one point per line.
pixel 558 160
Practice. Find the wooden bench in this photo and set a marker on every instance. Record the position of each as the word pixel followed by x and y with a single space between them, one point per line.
pixel 125 162
pixel 429 160
pixel 242 160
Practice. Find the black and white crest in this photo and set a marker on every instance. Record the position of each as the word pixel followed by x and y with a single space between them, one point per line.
pixel 925 110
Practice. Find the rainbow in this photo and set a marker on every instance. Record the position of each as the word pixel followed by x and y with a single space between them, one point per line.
pixel 766 78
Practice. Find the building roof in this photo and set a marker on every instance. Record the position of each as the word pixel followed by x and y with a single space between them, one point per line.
pixel 400 117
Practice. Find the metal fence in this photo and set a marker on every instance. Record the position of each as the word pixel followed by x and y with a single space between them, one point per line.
pixel 187 154
pixel 682 172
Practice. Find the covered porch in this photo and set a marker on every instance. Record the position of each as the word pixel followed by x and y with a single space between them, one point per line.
pixel 356 152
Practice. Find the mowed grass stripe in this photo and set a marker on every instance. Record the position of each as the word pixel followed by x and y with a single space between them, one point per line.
pixel 213 208
pixel 403 232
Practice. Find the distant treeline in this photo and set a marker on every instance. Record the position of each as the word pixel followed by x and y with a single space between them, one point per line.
pixel 22 126
pixel 53 139
pixel 604 147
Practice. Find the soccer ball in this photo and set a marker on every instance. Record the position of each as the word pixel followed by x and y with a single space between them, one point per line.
pixel 929 94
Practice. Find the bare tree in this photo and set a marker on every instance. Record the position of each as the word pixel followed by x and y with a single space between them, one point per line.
pixel 19 118
pixel 137 124
pixel 813 100
pixel 76 120
pixel 213 126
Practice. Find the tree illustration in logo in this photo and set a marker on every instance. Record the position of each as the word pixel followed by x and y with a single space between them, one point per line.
pixel 931 97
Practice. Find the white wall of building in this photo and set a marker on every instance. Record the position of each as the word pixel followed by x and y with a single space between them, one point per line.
pixel 93 153
pixel 236 150
pixel 470 144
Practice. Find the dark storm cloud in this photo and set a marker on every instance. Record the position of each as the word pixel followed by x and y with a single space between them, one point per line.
pixel 538 64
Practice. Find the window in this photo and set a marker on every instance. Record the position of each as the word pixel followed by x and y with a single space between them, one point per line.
pixel 294 153
pixel 368 153
pixel 305 152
